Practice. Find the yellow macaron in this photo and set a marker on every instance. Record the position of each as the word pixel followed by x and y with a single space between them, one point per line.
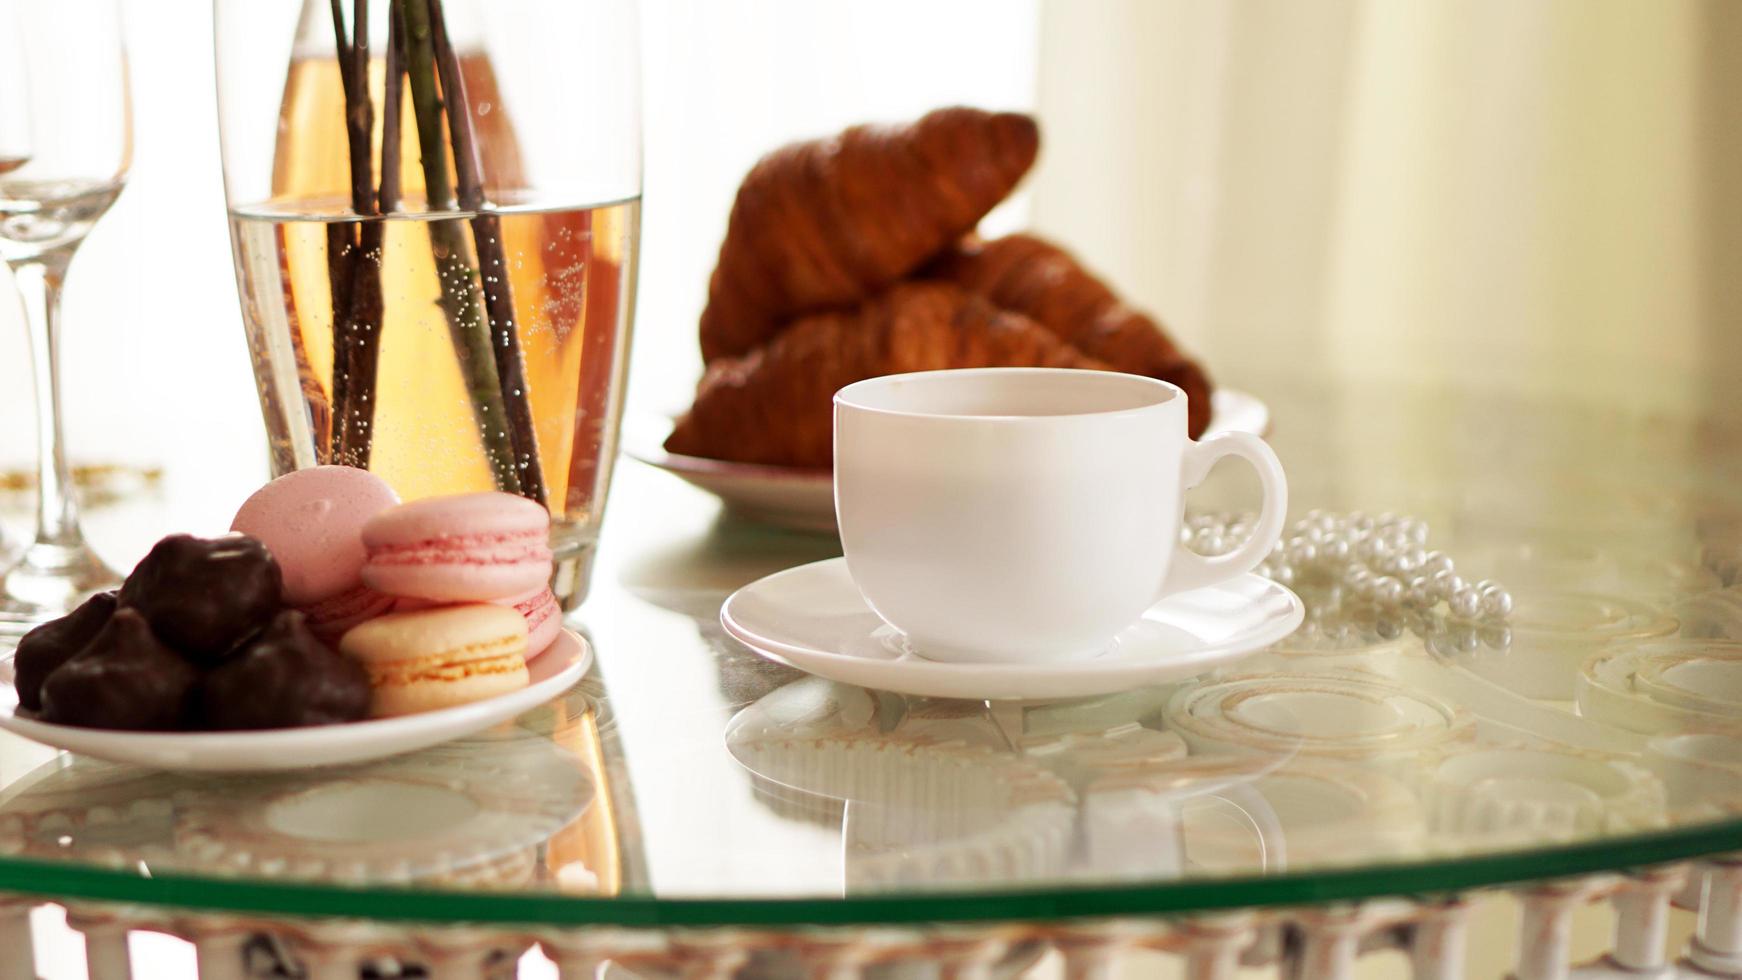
pixel 439 658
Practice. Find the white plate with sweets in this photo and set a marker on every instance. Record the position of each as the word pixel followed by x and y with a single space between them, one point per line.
pixel 335 626
pixel 552 672
pixel 804 499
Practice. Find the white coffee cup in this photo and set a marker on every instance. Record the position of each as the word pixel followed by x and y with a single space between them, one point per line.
pixel 1027 514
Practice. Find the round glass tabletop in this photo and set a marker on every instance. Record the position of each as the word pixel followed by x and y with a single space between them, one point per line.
pixel 689 782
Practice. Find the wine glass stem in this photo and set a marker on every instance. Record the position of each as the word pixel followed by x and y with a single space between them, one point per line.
pixel 39 285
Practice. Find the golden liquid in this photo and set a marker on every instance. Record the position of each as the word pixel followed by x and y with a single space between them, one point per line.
pixel 570 269
pixel 568 277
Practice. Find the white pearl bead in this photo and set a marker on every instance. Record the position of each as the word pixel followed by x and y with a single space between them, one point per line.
pixel 1411 559
pixel 1355 575
pixel 1360 521
pixel 1435 561
pixel 1466 603
pixel 1336 549
pixel 1448 584
pixel 1284 575
pixel 1421 594
pixel 1497 603
pixel 1388 590
pixel 1417 531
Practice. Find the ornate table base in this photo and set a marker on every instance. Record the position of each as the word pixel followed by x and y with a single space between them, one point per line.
pixel 1305 943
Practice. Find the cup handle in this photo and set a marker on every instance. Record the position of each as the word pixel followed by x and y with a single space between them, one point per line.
pixel 1190 570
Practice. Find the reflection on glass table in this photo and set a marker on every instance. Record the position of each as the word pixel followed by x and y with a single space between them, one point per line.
pixel 522 806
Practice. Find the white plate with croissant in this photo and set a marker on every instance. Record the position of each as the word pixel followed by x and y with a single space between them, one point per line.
pixel 803 498
pixel 857 256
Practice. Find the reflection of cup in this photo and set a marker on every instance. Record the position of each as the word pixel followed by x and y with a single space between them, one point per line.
pixel 1027 514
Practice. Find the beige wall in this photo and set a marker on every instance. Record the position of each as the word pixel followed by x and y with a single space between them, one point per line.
pixel 1541 193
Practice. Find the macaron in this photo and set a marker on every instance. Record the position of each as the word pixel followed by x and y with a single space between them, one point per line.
pixel 439 658
pixel 333 617
pixel 468 548
pixel 544 617
pixel 312 522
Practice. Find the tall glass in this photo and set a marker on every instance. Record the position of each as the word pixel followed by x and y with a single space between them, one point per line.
pixel 66 142
pixel 435 221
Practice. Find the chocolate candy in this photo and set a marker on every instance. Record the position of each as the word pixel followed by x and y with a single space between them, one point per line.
pixel 124 679
pixel 204 596
pixel 42 650
pixel 285 678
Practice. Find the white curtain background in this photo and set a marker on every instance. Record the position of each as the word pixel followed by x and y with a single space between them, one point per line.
pixel 1540 193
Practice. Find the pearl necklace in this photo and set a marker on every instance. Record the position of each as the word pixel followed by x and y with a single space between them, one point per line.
pixel 1376 566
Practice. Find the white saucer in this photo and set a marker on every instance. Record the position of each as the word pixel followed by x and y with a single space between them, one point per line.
pixel 804 499
pixel 813 618
pixel 554 671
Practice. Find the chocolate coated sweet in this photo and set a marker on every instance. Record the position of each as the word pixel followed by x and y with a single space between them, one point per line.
pixel 125 678
pixel 45 648
pixel 204 596
pixel 285 678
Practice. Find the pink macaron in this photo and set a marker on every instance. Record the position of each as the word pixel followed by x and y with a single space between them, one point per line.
pixel 544 618
pixel 312 522
pixel 469 548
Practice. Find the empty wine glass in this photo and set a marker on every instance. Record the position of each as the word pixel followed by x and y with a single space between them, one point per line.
pixel 65 145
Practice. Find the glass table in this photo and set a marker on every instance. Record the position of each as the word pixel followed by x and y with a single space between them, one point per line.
pixel 691 808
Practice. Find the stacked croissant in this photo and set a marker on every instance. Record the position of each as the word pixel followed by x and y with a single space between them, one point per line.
pixel 855 257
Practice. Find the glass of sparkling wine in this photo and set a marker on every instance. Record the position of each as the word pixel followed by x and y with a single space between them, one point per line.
pixel 65 145
pixel 435 212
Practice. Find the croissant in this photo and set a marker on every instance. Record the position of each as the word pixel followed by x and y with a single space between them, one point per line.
pixel 825 223
pixel 1029 275
pixel 776 404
